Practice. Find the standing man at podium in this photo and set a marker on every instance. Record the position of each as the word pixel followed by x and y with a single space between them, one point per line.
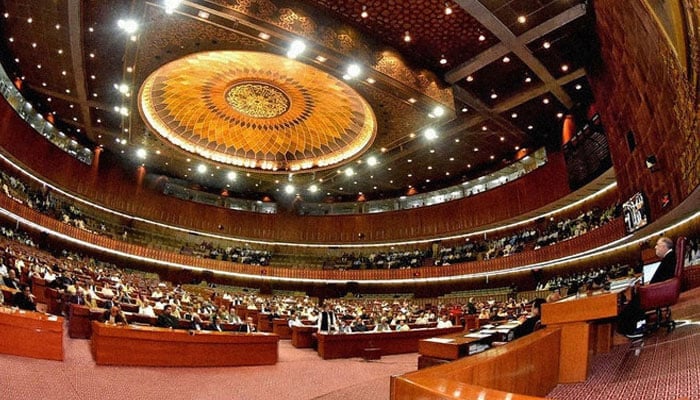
pixel 327 321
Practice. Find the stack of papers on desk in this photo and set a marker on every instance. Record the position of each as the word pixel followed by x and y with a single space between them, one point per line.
pixel 440 340
pixel 478 335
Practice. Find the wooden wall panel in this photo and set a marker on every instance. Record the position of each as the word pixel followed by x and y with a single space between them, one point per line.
pixel 116 188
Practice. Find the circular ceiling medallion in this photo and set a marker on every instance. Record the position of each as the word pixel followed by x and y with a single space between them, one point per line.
pixel 257 99
pixel 257 110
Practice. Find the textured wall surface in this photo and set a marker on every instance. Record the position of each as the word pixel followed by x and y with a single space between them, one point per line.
pixel 642 87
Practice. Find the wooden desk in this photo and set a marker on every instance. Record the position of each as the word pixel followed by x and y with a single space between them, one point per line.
pixel 302 336
pixel 159 347
pixel 31 334
pixel 280 327
pixel 346 345
pixel 456 348
pixel 79 322
pixel 525 367
pixel 585 327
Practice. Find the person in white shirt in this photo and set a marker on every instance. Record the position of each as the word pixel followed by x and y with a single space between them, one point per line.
pixel 444 322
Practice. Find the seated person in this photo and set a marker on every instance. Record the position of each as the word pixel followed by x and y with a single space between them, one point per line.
pixel 11 280
pixel 24 299
pixel 632 319
pixel 530 322
pixel 166 319
pixel 444 322
pixel 114 316
pixel 402 326
pixel 382 326
pixel 294 321
pixel 358 325
pixel 344 327
pixel 214 324
pixel 248 327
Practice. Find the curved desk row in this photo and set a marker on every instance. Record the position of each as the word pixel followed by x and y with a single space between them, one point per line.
pixel 347 345
pixel 21 331
pixel 523 368
pixel 151 346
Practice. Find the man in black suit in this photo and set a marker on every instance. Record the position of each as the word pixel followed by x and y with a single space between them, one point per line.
pixel 166 319
pixel 327 321
pixel 632 318
pixel 114 316
pixel 24 299
pixel 11 280
pixel 667 268
pixel 248 327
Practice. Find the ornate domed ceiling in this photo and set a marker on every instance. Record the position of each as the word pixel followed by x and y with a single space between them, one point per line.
pixel 502 72
pixel 231 107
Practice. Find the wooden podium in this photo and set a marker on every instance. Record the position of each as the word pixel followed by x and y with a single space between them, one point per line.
pixel 586 328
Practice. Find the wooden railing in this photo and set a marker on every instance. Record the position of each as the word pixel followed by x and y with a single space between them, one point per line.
pixel 590 240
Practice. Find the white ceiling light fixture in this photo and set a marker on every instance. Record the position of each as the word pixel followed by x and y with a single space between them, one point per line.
pixel 171 5
pixel 296 48
pixel 129 26
pixel 430 134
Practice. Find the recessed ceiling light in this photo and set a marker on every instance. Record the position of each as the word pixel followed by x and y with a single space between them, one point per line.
pixel 546 45
pixel 443 60
pixel 321 59
pixel 11 40
pixel 578 87
pixel 503 139
pixel 514 115
pixel 129 69
pixel 506 59
pixel 407 37
pixel 354 70
pixel 296 48
pixel 470 78
pixel 30 20
pixel 484 128
pixel 530 127
pixel 452 158
pixel 201 168
pixel 34 45
pixel 482 38
pixel 370 80
pixel 129 26
pixel 522 19
pixel 494 95
pixel 6 15
pixel 364 13
pixel 464 109
pixel 448 9
pixel 476 149
pixel 141 153
pixel 545 100
pixel 203 15
pixel 457 140
pixel 372 161
pixel 564 67
pixel 559 115
pixel 412 100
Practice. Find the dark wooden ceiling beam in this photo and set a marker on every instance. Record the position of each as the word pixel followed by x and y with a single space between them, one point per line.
pixel 512 44
pixel 496 52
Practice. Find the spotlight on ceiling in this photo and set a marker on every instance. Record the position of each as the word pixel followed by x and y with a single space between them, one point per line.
pixel 349 172
pixel 372 161
pixel 289 189
pixel 171 5
pixel 438 111
pixel 354 70
pixel 313 188
pixel 430 134
pixel 201 168
pixel 232 176
pixel 364 13
pixel 296 48
pixel 141 153
pixel 129 26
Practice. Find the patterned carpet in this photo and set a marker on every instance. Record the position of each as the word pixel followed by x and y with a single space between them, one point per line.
pixel 664 366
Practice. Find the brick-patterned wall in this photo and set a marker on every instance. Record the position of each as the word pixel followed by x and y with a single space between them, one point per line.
pixel 642 87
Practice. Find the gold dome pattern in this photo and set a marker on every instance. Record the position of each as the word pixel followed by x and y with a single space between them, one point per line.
pixel 257 110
